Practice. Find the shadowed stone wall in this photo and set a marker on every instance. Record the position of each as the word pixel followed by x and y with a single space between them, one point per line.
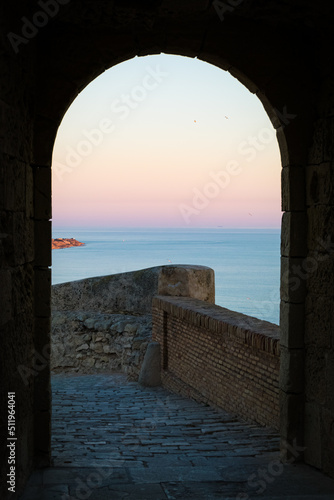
pixel 316 269
pixel 19 263
pixel 282 52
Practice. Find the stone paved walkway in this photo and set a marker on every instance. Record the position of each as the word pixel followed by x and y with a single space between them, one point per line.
pixel 114 439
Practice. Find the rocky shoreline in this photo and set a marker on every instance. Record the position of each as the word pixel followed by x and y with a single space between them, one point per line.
pixel 65 243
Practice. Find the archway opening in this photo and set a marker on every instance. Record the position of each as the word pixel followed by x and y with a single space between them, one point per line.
pixel 162 160
pixel 168 142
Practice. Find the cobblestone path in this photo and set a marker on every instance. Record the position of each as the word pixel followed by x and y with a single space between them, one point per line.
pixel 113 439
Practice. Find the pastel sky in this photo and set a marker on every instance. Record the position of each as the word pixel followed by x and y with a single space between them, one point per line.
pixel 166 141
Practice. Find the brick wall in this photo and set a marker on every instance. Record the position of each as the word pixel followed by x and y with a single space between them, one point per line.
pixel 219 356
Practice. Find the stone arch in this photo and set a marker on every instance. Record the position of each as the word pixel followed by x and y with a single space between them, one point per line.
pixel 269 48
pixel 65 71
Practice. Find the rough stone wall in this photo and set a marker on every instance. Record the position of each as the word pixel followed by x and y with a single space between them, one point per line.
pixel 218 356
pixel 104 323
pixel 317 273
pixel 88 342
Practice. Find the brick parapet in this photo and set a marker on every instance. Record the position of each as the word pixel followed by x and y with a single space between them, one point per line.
pixel 245 329
pixel 219 356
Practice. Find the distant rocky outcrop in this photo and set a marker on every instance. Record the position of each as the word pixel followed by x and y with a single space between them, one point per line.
pixel 65 243
pixel 105 323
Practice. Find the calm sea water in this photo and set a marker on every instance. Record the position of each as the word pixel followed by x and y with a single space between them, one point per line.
pixel 246 262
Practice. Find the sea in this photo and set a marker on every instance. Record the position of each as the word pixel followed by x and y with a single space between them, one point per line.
pixel 246 261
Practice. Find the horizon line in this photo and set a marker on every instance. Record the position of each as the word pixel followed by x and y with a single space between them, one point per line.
pixel 99 228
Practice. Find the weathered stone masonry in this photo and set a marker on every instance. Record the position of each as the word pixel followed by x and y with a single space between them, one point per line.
pixel 105 323
pixel 219 356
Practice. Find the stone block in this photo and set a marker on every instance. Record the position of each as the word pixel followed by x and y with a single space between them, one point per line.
pixel 294 275
pixel 29 241
pixel 23 239
pixel 292 370
pixel 42 293
pixel 330 379
pixel 22 289
pixel 241 76
pixel 316 153
pixel 312 435
pixel 58 355
pixel 29 192
pixel 325 104
pixel 42 337
pixel 5 296
pixel 84 347
pixel 293 188
pixel 293 236
pixel 327 440
pixel 328 139
pixel 42 190
pixel 190 38
pixel 209 55
pixel 187 281
pixel 319 321
pixel 281 139
pixel 89 323
pixel 12 180
pixel 315 374
pixel 43 243
pixel 103 325
pixel 294 129
pixel 98 348
pixel 319 184
pixel 321 269
pixel 292 325
pixel 45 131
pixel 321 228
pixel 18 127
pixel 150 374
pixel 291 426
pixel 17 238
pixel 88 363
pixel 131 328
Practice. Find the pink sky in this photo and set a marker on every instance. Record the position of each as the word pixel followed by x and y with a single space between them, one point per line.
pixel 166 141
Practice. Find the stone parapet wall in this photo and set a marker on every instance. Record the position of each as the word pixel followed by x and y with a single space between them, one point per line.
pixel 132 292
pixel 219 357
pixel 104 323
